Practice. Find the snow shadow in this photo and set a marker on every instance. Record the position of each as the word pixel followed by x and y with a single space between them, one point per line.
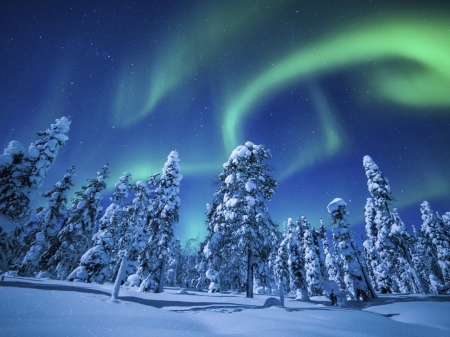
pixel 398 298
pixel 46 286
pixel 158 303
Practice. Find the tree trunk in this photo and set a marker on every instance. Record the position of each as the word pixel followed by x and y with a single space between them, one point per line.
pixel 117 283
pixel 282 293
pixel 250 271
pixel 162 277
pixel 366 277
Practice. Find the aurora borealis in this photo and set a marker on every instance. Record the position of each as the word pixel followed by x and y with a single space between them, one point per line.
pixel 319 84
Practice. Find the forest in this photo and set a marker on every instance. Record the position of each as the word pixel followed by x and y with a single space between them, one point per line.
pixel 131 242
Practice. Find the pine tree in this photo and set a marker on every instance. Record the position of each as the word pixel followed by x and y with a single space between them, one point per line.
pixel 371 253
pixel 238 212
pixel 164 217
pixel 21 177
pixel 47 223
pixel 281 268
pixel 95 261
pixel 330 262
pixel 435 228
pixel 312 265
pixel 76 232
pixel 135 230
pixel 296 262
pixel 354 278
pixel 393 241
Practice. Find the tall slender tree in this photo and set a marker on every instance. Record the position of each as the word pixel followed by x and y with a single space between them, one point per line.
pixel 238 212
pixel 393 241
pixel 164 217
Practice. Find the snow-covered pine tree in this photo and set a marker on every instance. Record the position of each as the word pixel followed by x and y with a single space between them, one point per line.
pixel 370 251
pixel 152 259
pixel 331 265
pixel 21 176
pixel 281 268
pixel 354 278
pixel 238 211
pixel 135 232
pixel 312 265
pixel 95 261
pixel 393 241
pixel 75 235
pixel 380 190
pixel 435 229
pixel 296 262
pixel 47 224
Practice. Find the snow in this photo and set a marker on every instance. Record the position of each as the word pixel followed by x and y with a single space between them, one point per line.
pixel 14 148
pixel 7 225
pixel 43 307
pixel 250 186
pixel 335 204
pixel 6 160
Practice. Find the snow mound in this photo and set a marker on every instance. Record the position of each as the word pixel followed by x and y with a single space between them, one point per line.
pixel 272 301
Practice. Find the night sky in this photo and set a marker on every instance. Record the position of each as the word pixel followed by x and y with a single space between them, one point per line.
pixel 319 83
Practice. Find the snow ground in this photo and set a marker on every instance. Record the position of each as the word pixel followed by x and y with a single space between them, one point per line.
pixel 41 307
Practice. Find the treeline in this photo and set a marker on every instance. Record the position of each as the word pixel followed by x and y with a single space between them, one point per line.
pixel 133 242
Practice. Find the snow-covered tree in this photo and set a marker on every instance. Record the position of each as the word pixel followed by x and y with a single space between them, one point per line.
pixel 393 242
pixel 75 235
pixel 95 261
pixel 281 268
pixel 371 253
pixel 21 176
pixel 354 279
pixel 135 230
pixel 152 260
pixel 312 265
pixel 296 263
pixel 331 265
pixel 238 214
pixel 435 228
pixel 47 224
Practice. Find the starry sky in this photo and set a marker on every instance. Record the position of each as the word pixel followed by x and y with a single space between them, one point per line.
pixel 319 83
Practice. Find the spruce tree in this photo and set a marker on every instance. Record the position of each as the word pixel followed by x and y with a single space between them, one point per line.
pixel 331 265
pixel 393 241
pixel 354 279
pixel 436 229
pixel 164 217
pixel 21 176
pixel 47 222
pixel 281 268
pixel 312 265
pixel 95 261
pixel 370 250
pixel 296 262
pixel 75 235
pixel 238 213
